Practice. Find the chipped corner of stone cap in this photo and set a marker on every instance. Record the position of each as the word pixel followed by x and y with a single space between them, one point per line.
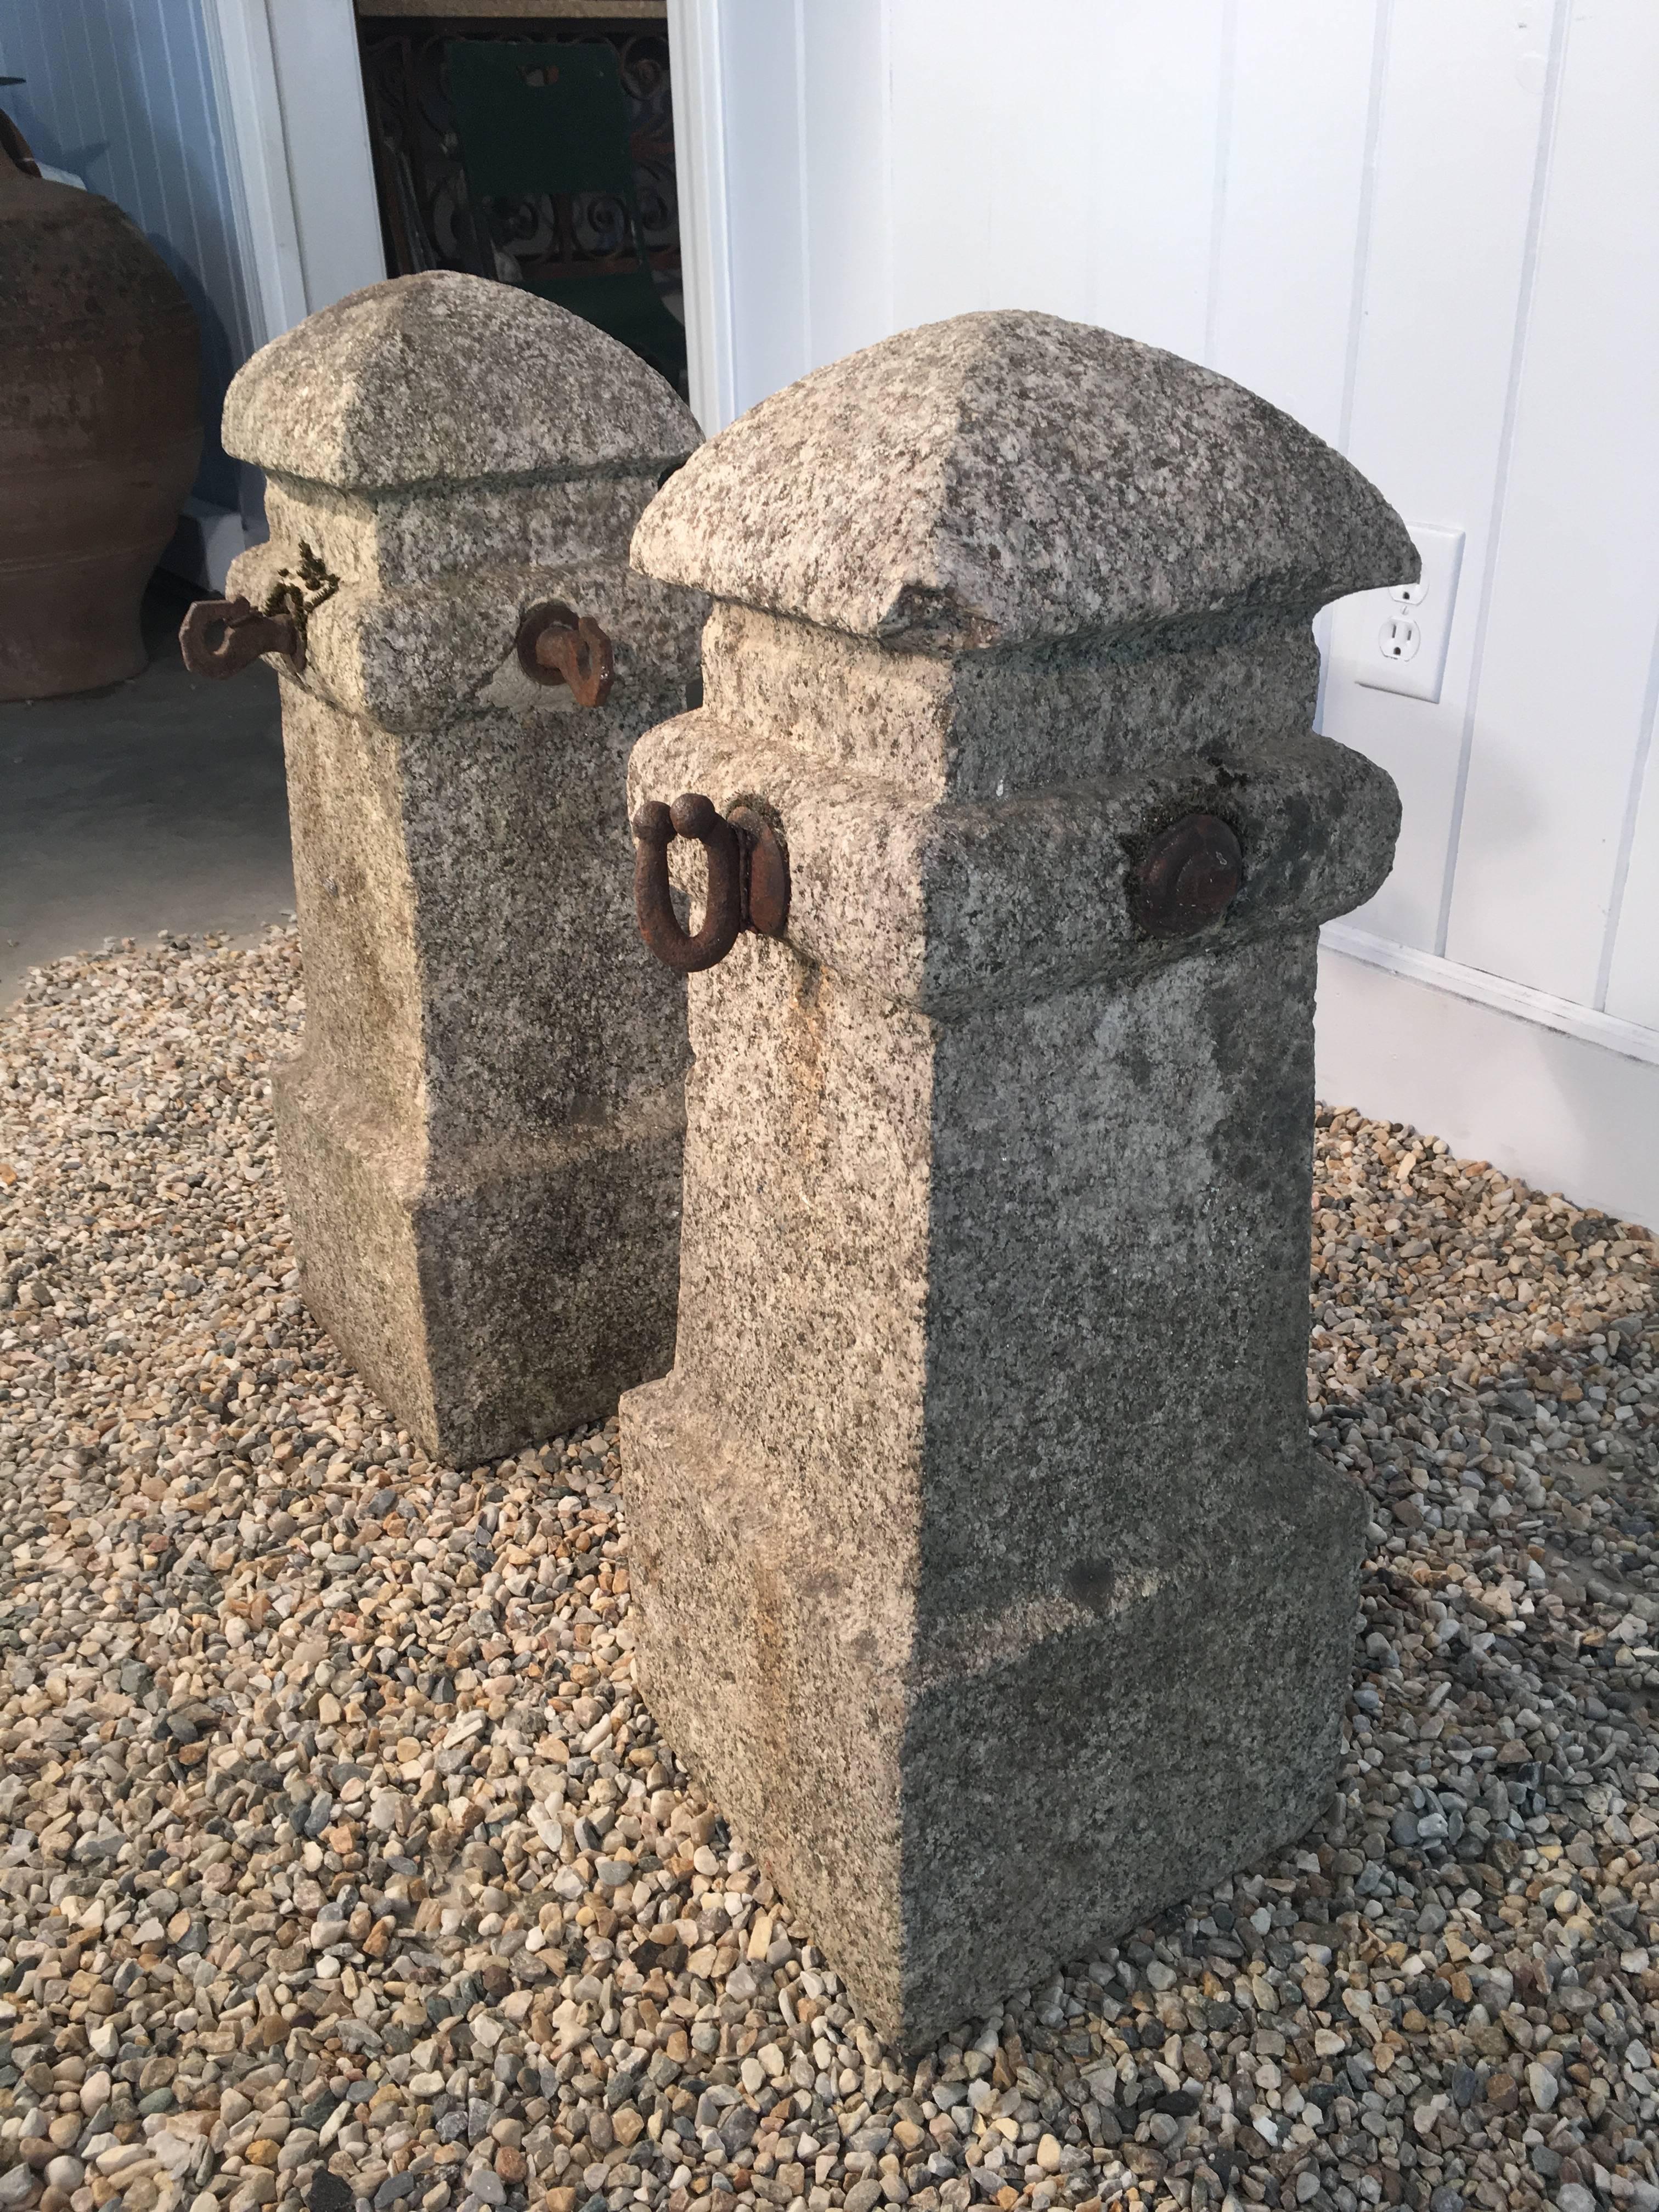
pixel 444 378
pixel 1009 478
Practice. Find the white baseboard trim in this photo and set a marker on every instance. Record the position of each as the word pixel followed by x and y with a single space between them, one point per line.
pixel 1629 1038
pixel 1557 1108
pixel 202 547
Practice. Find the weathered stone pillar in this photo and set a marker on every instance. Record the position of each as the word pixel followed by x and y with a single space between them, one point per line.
pixel 985 1575
pixel 480 1138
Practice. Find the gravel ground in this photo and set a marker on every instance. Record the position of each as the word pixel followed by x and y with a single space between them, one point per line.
pixel 339 1862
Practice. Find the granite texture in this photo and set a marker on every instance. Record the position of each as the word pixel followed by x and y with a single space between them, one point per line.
pixel 1007 477
pixel 480 1137
pixel 980 726
pixel 946 907
pixel 381 541
pixel 985 1574
pixel 440 649
pixel 447 379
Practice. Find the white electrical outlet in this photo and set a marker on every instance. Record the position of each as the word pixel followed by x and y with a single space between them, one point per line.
pixel 1399 637
pixel 1396 640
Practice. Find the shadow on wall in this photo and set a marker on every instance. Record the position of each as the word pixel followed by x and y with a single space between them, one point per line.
pixel 121 93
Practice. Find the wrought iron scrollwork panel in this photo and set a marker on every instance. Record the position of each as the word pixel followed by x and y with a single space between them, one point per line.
pixel 430 218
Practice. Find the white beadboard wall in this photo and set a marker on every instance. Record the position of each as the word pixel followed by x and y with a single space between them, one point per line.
pixel 234 133
pixel 1430 231
pixel 121 93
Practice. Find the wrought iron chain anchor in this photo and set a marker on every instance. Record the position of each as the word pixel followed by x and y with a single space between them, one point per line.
pixel 247 633
pixel 1189 875
pixel 748 879
pixel 557 646
pixel 244 633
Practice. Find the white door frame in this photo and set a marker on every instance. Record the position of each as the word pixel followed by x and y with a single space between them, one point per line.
pixel 289 90
pixel 695 41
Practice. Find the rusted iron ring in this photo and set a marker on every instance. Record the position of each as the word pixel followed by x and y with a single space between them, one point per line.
pixel 556 645
pixel 748 879
pixel 244 637
pixel 1189 875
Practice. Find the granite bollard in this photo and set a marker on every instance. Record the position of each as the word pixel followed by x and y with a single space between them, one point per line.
pixel 986 1575
pixel 480 1138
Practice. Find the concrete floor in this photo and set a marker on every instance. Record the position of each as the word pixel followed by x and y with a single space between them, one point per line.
pixel 154 804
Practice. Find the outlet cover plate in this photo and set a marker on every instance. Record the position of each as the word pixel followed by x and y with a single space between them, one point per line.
pixel 1361 625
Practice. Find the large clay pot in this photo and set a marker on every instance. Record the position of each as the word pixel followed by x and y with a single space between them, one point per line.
pixel 99 433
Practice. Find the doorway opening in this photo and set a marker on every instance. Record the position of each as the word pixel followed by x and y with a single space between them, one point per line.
pixel 535 150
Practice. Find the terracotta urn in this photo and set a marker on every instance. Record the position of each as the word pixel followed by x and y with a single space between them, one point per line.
pixel 99 433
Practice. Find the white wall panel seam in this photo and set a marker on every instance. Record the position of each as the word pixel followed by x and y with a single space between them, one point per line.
pixel 110 123
pixel 199 258
pixel 1382 32
pixel 222 262
pixel 121 92
pixel 94 124
pixel 889 297
pixel 183 219
pixel 236 245
pixel 43 77
pixel 71 94
pixel 696 82
pixel 1560 26
pixel 27 57
pixel 803 186
pixel 147 111
pixel 262 196
pixel 1639 771
pixel 98 123
pixel 727 293
pixel 1225 81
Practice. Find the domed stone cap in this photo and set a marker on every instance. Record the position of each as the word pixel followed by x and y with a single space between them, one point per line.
pixel 1007 478
pixel 441 379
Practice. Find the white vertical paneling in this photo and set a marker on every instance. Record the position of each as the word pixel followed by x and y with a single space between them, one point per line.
pixel 1461 120
pixel 24 53
pixel 843 104
pixel 1040 74
pixel 120 91
pixel 993 132
pixel 1427 231
pixel 1569 643
pixel 1152 188
pixel 1300 79
pixel 1063 159
pixel 766 230
pixel 944 108
pixel 1633 954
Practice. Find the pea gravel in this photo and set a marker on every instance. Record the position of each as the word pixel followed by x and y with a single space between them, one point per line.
pixel 339 1863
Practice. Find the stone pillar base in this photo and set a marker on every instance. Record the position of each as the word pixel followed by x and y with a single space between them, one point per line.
pixel 493 1299
pixel 1023 1787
